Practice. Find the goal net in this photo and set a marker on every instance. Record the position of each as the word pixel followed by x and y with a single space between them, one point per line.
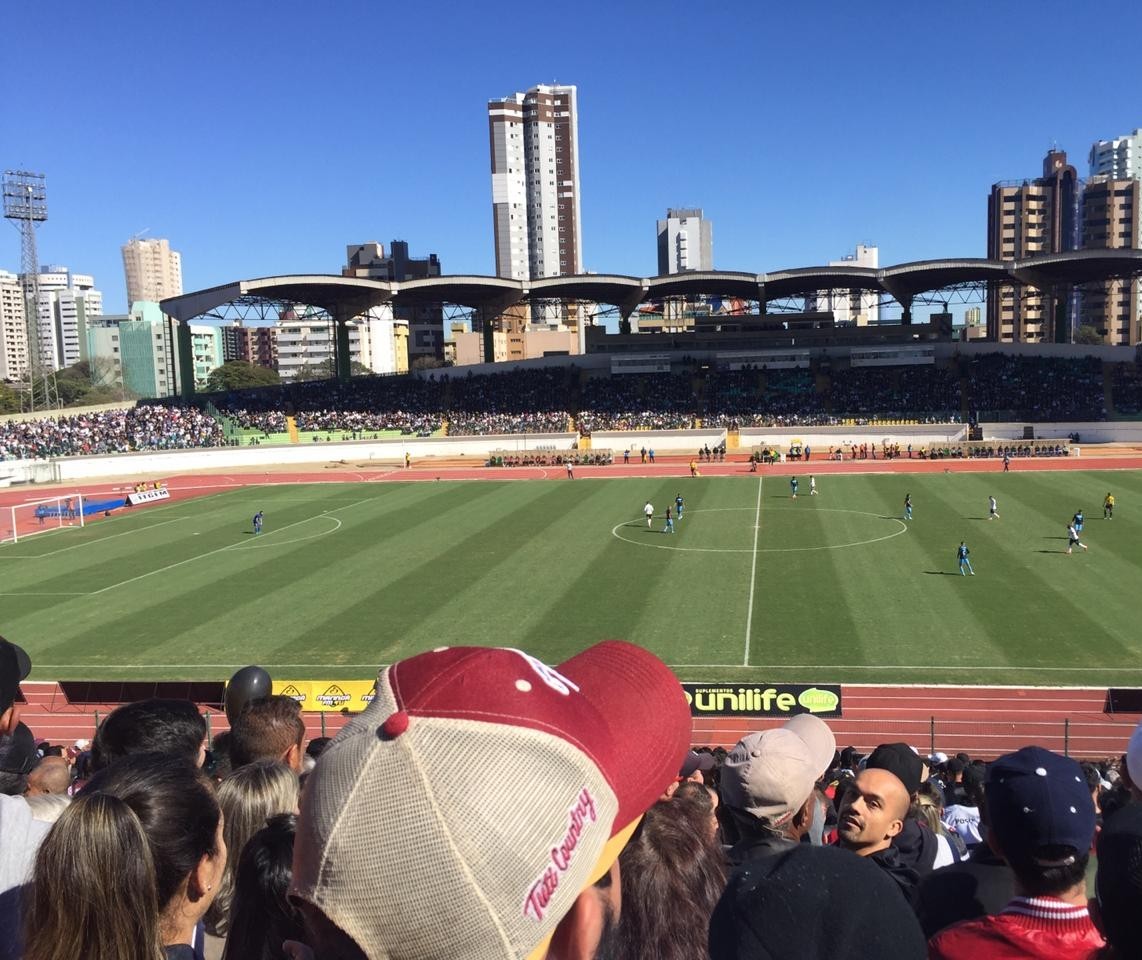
pixel 39 516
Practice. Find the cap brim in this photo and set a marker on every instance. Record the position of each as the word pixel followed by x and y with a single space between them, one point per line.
pixel 821 740
pixel 642 702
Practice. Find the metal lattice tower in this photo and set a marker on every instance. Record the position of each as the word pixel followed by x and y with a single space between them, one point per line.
pixel 26 205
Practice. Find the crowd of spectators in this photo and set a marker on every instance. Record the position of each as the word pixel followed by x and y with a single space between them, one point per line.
pixel 606 837
pixel 109 431
pixel 558 400
pixel 1001 386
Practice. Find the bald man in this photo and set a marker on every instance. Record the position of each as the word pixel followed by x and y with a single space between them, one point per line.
pixel 872 812
pixel 52 775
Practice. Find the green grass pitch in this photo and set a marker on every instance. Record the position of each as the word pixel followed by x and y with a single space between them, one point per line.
pixel 752 586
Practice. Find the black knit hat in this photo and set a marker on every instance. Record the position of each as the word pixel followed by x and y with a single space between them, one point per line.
pixel 814 902
pixel 901 759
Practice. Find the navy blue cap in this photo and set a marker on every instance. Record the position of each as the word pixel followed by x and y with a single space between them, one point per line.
pixel 1036 799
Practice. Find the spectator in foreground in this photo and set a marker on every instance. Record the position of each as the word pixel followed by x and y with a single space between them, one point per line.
pixel 768 793
pixel 672 876
pixel 171 727
pixel 871 814
pixel 20 833
pixel 17 761
pixel 457 861
pixel 262 918
pixel 813 903
pixel 248 797
pixel 1118 885
pixel 141 854
pixel 50 777
pixel 268 729
pixel 1041 821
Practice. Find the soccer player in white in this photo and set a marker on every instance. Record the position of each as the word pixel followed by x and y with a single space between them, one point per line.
pixel 992 511
pixel 1073 538
pixel 812 486
pixel 648 512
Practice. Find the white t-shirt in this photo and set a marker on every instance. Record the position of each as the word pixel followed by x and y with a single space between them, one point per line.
pixel 965 822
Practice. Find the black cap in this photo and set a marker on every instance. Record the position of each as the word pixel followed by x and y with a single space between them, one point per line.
pixel 14 667
pixel 18 751
pixel 814 902
pixel 901 759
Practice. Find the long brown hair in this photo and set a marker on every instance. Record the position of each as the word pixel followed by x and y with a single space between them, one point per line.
pixel 672 874
pixel 92 893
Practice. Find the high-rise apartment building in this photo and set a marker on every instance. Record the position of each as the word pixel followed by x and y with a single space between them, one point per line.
pixel 135 350
pixel 1110 221
pixel 1120 158
pixel 67 302
pixel 256 345
pixel 376 341
pixel 1027 219
pixel 13 328
pixel 153 270
pixel 535 183
pixel 420 327
pixel 856 307
pixel 685 242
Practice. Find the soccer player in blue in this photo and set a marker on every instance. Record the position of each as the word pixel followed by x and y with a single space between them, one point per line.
pixel 680 505
pixel 962 552
pixel 258 517
pixel 907 506
pixel 793 487
pixel 669 528
pixel 1077 520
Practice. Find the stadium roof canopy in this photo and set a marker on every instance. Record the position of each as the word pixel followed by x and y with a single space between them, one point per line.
pixel 346 297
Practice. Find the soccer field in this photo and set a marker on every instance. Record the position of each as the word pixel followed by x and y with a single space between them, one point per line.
pixel 753 585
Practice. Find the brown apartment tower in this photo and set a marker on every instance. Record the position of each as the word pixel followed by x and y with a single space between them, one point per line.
pixel 1025 219
pixel 1110 210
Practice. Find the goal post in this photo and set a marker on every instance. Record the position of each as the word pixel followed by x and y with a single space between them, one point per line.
pixel 39 516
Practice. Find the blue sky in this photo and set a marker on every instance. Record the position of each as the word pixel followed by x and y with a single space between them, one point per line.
pixel 261 138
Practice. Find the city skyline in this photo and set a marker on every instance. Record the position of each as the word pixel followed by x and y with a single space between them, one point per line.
pixel 732 139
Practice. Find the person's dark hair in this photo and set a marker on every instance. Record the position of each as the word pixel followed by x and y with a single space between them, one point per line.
pixel 13 784
pixel 265 730
pixel 1092 775
pixel 1040 881
pixel 262 916
pixel 50 750
pixel 315 746
pixel 173 727
pixel 218 757
pixel 92 892
pixel 1118 884
pixel 176 806
pixel 672 876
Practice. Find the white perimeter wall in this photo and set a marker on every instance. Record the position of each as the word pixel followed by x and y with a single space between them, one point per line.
pixel 390 452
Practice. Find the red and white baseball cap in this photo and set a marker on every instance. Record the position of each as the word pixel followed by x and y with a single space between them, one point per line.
pixel 462 813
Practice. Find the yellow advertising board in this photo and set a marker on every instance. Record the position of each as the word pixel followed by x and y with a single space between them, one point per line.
pixel 328 696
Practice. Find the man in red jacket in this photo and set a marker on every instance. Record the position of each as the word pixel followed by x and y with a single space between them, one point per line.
pixel 1041 820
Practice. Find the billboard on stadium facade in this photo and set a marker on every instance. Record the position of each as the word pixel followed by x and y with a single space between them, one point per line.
pixel 755 700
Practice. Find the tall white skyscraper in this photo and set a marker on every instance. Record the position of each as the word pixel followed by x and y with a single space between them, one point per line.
pixel 1119 159
pixel 535 183
pixel 66 301
pixel 685 242
pixel 13 328
pixel 153 270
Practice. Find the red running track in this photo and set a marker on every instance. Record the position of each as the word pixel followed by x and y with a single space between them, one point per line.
pixel 982 721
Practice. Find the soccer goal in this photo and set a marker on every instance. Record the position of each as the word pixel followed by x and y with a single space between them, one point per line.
pixel 39 516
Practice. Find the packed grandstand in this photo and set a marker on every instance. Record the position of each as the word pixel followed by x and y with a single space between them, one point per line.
pixel 567 399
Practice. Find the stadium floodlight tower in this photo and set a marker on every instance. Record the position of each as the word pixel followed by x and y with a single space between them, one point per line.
pixel 26 205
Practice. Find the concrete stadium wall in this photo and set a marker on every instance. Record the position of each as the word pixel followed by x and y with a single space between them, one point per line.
pixel 382 452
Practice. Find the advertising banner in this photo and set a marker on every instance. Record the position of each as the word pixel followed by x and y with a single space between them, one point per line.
pixel 148 496
pixel 328 696
pixel 756 700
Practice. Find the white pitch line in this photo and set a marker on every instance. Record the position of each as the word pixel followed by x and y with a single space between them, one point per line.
pixel 210 553
pixel 88 543
pixel 752 574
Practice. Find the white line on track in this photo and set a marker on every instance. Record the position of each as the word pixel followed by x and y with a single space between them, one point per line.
pixel 752 574
pixel 211 553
